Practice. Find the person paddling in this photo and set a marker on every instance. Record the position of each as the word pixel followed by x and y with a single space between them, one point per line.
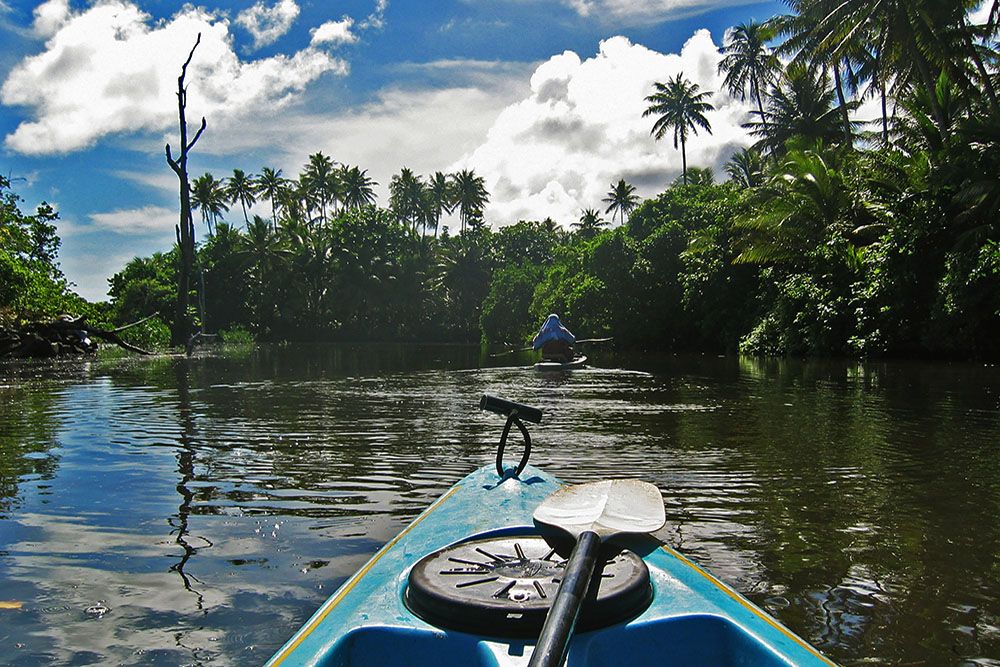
pixel 554 340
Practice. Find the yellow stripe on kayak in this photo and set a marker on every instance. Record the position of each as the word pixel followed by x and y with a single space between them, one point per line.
pixel 346 588
pixel 749 605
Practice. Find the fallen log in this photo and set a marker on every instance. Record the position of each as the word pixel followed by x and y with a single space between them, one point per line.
pixel 63 336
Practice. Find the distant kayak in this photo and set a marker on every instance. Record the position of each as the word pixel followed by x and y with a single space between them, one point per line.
pixel 577 362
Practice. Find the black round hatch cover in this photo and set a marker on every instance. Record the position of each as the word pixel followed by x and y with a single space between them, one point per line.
pixel 503 587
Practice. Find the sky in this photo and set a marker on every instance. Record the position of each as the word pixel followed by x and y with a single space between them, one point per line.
pixel 542 98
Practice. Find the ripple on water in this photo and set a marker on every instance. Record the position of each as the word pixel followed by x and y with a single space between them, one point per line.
pixel 229 499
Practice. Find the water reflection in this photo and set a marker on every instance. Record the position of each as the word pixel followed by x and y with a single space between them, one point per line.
pixel 186 475
pixel 175 511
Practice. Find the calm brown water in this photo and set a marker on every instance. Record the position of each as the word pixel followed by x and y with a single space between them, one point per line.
pixel 183 512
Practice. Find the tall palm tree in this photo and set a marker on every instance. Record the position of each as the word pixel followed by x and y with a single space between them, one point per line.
pixel 749 65
pixel 319 179
pixel 679 106
pixel 914 41
pixel 406 197
pixel 471 196
pixel 270 184
pixel 442 197
pixel 621 200
pixel 240 188
pixel 357 189
pixel 806 43
pixel 209 195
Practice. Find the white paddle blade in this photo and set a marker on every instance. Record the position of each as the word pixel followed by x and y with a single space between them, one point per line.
pixel 606 507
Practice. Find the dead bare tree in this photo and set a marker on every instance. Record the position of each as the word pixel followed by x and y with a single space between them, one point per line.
pixel 181 332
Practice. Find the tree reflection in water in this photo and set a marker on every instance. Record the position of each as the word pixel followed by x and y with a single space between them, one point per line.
pixel 186 454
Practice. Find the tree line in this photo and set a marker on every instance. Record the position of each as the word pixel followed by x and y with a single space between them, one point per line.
pixel 326 188
pixel 828 236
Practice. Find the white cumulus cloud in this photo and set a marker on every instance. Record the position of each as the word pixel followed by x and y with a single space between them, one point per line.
pixel 426 130
pixel 334 33
pixel 267 24
pixel 580 128
pixel 110 69
pixel 50 16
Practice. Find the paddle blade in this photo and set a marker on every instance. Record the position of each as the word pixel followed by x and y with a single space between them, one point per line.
pixel 607 507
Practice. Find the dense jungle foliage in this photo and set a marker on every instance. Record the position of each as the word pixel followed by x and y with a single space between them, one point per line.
pixel 828 237
pixel 31 284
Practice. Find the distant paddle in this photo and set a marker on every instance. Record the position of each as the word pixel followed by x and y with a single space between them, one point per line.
pixel 503 354
pixel 591 513
pixel 528 349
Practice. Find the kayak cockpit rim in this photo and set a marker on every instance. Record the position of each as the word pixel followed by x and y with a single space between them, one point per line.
pixel 746 604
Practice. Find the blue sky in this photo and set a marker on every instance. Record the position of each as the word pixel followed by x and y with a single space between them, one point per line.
pixel 543 98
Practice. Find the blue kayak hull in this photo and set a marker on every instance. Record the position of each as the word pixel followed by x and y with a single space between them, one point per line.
pixel 694 619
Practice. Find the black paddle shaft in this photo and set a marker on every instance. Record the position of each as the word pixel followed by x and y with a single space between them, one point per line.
pixel 550 651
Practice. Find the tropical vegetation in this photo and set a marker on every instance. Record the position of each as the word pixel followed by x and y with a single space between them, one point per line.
pixel 32 286
pixel 829 236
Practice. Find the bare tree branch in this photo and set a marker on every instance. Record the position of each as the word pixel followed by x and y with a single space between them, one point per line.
pixel 198 134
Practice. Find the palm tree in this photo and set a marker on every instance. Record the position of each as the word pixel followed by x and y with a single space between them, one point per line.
pixel 697 176
pixel 462 276
pixel 320 182
pixel 807 41
pixel 917 129
pixel 590 223
pixel 311 250
pixel 292 201
pixel 262 253
pixel 807 201
pixel 913 42
pixel 749 65
pixel 442 197
pixel 680 107
pixel 270 184
pixel 406 197
pixel 209 195
pixel 621 200
pixel 802 105
pixel 240 188
pixel 357 190
pixel 746 168
pixel 470 195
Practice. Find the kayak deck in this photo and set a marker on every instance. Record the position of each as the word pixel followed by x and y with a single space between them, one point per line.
pixel 694 619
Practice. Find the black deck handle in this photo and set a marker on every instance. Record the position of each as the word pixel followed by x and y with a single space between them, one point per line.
pixel 504 407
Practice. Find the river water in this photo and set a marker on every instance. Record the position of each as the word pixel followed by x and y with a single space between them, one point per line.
pixel 174 511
